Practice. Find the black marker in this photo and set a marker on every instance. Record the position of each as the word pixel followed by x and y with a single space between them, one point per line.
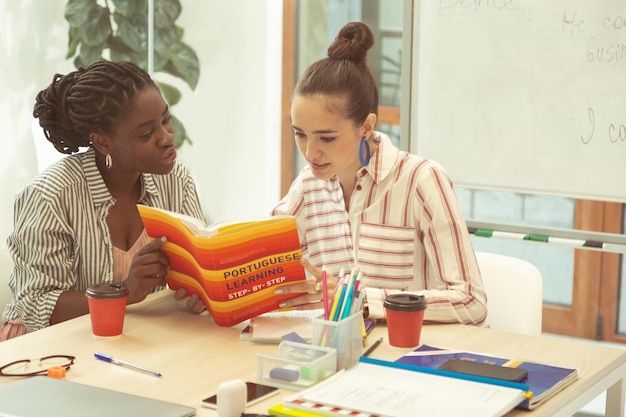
pixel 373 346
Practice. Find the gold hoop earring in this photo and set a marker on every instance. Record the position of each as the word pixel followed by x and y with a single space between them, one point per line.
pixel 108 161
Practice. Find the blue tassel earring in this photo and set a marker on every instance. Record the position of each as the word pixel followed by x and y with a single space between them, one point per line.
pixel 364 148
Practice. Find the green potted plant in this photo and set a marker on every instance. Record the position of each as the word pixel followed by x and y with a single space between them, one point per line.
pixel 118 30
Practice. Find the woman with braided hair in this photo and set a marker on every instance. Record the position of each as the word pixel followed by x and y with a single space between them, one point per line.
pixel 362 203
pixel 77 223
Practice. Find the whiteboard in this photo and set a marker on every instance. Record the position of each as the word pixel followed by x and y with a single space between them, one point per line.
pixel 522 95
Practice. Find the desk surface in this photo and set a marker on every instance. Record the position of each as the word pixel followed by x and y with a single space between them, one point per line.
pixel 195 355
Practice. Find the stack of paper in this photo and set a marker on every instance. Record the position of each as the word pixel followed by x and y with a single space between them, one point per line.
pixel 271 327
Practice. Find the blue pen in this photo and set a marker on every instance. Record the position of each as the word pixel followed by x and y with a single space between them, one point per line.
pixel 125 364
pixel 342 301
pixel 349 299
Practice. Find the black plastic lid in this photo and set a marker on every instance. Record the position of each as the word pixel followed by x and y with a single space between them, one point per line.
pixel 405 302
pixel 107 290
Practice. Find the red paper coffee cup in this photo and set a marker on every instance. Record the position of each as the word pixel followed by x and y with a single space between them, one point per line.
pixel 405 316
pixel 107 306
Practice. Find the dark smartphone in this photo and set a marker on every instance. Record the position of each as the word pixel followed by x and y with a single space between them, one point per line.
pixel 256 393
pixel 485 370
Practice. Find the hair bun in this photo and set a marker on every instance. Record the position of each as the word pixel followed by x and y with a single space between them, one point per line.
pixel 352 43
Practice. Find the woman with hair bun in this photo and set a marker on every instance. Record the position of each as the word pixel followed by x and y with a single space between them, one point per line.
pixel 77 223
pixel 363 204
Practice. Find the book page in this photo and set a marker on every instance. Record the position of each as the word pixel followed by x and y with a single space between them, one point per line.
pixel 270 327
pixel 197 227
pixel 392 392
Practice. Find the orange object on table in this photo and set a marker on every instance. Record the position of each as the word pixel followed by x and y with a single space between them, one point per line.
pixel 57 372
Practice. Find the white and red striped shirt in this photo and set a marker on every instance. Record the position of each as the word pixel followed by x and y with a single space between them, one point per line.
pixel 404 231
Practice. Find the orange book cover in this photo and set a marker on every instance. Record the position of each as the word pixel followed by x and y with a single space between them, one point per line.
pixel 234 267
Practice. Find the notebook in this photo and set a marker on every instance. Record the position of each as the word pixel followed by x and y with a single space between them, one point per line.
pixel 544 381
pixel 43 396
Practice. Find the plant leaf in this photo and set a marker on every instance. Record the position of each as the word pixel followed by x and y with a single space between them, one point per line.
pixel 186 63
pixel 172 94
pixel 132 31
pixel 159 61
pixel 165 37
pixel 74 40
pixel 120 27
pixel 179 32
pixel 77 12
pixel 180 134
pixel 98 29
pixel 129 7
pixel 166 12
pixel 88 55
pixel 121 52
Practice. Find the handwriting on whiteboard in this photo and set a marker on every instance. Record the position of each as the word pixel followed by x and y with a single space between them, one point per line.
pixel 615 132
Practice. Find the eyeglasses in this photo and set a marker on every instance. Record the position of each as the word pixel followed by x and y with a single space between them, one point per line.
pixel 32 367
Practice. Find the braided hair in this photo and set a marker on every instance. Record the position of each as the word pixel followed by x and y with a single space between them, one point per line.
pixel 88 100
pixel 345 74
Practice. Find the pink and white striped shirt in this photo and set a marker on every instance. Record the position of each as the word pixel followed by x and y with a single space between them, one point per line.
pixel 404 230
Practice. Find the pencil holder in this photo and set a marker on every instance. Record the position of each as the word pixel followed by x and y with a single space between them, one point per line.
pixel 346 336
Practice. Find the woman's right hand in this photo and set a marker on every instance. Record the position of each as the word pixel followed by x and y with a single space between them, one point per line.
pixel 147 270
pixel 311 290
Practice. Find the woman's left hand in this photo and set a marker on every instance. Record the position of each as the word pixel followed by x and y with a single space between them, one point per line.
pixel 194 303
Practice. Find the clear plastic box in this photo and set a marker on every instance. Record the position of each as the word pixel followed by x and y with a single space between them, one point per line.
pixel 298 366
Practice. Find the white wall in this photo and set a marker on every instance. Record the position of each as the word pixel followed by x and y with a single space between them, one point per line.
pixel 233 117
pixel 25 59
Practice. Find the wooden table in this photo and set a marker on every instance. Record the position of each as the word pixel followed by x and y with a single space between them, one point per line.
pixel 195 356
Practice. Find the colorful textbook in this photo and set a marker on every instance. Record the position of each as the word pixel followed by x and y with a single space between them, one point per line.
pixel 234 267
pixel 543 380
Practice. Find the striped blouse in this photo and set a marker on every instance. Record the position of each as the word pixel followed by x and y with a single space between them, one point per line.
pixel 60 239
pixel 404 230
